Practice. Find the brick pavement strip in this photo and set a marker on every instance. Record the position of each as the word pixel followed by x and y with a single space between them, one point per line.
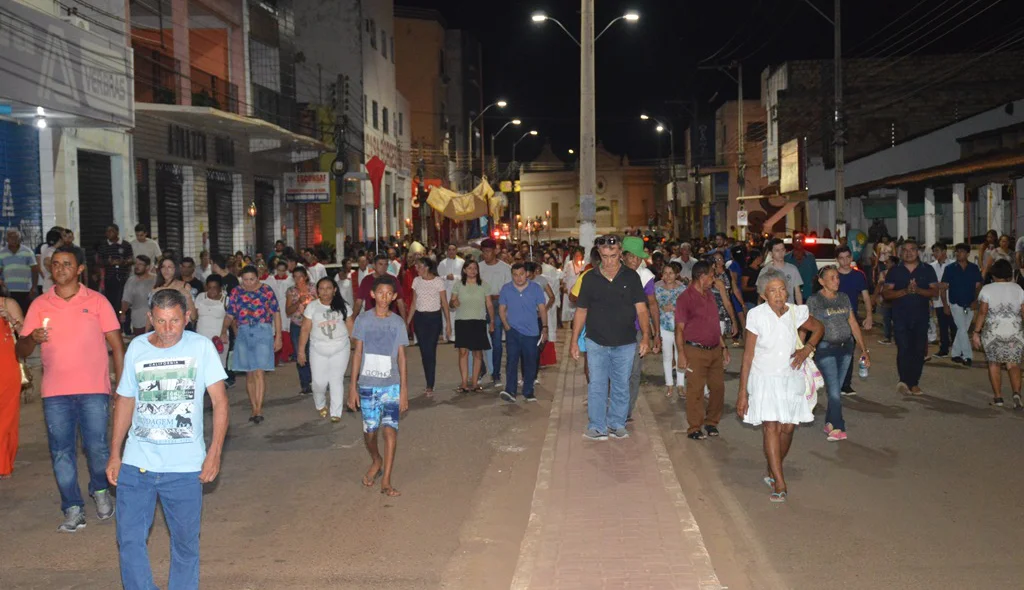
pixel 608 514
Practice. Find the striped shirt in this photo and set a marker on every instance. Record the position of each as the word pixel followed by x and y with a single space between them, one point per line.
pixel 16 268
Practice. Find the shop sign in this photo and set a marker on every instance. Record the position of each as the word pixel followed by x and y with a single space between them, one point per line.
pixel 61 67
pixel 307 187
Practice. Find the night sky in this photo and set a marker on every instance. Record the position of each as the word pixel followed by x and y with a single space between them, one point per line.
pixel 653 63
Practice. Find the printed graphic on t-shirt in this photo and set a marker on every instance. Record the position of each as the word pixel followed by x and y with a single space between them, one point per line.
pixel 328 323
pixel 165 406
pixel 377 366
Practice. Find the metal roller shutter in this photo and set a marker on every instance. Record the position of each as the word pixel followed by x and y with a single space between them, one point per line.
pixel 265 226
pixel 96 203
pixel 142 193
pixel 169 212
pixel 219 187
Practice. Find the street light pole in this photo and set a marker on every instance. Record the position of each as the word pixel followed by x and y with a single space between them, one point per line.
pixel 494 153
pixel 671 155
pixel 469 135
pixel 840 140
pixel 588 130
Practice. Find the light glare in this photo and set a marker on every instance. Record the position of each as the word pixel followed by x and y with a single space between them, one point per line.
pixel 539 17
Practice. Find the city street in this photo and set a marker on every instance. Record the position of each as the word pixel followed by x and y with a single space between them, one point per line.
pixel 923 495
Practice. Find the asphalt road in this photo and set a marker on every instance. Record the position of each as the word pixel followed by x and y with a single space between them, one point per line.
pixel 925 494
pixel 289 511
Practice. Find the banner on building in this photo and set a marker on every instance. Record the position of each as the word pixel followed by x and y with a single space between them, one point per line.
pixel 56 65
pixel 307 187
pixel 789 167
pixel 741 218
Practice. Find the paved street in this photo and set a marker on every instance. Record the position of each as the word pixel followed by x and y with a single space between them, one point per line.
pixel 924 494
pixel 288 510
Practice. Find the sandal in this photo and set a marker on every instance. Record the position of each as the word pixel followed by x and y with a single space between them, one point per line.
pixel 390 491
pixel 769 481
pixel 477 389
pixel 461 390
pixel 369 482
pixel 778 497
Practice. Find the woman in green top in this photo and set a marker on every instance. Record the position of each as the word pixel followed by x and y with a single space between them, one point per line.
pixel 473 307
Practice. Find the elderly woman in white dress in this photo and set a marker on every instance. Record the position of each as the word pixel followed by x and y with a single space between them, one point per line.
pixel 771 392
pixel 999 330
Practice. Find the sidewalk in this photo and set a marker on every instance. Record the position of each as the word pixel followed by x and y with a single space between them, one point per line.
pixel 608 514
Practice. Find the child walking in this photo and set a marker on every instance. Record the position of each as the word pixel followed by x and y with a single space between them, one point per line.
pixel 381 389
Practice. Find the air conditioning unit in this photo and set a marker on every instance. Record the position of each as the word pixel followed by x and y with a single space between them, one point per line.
pixel 76 21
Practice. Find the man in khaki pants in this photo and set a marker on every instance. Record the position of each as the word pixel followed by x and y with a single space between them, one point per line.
pixel 702 353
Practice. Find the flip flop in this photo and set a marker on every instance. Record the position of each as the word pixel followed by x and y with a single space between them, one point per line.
pixel 769 481
pixel 478 388
pixel 778 497
pixel 461 390
pixel 379 473
pixel 390 492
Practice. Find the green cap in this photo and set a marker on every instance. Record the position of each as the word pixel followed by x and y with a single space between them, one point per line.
pixel 634 245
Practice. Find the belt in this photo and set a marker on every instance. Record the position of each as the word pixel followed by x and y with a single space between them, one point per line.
pixel 701 346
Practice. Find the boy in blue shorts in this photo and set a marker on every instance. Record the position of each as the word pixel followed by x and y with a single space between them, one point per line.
pixel 381 391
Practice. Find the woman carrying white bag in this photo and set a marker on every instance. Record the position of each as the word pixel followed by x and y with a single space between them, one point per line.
pixel 773 388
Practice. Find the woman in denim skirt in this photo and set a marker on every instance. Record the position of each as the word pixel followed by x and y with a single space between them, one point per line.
pixel 254 309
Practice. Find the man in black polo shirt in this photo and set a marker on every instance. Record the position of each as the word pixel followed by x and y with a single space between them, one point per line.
pixel 910 287
pixel 115 257
pixel 611 300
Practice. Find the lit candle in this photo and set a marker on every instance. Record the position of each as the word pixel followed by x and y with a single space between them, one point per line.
pixel 46 322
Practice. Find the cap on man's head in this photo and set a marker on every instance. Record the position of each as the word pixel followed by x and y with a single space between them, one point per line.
pixel 488 243
pixel 635 246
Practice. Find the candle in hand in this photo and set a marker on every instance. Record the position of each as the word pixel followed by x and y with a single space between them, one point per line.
pixel 46 322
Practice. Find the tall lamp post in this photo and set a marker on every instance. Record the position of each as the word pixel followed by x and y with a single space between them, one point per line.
pixel 469 135
pixel 588 140
pixel 661 128
pixel 494 154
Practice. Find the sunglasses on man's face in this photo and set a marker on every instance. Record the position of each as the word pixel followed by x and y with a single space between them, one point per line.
pixel 607 241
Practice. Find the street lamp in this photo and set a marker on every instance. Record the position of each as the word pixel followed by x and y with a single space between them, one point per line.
pixel 525 135
pixel 571 151
pixel 494 153
pixel 588 132
pixel 469 135
pixel 661 128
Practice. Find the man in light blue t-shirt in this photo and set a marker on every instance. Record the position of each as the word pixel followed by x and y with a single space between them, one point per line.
pixel 520 303
pixel 160 410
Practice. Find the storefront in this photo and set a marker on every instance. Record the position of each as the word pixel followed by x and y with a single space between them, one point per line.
pixel 215 178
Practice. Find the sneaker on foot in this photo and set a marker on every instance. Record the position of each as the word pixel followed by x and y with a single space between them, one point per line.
pixel 592 434
pixel 530 398
pixel 941 355
pixel 104 504
pixel 828 428
pixel 696 435
pixel 74 519
pixel 957 360
pixel 619 433
pixel 836 435
pixel 1016 402
pixel 848 391
pixel 711 430
pixel 885 341
pixel 998 402
pixel 507 397
pixel 902 388
pixel 967 363
pixel 915 390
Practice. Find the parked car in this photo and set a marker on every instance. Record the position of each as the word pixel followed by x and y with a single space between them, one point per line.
pixel 823 249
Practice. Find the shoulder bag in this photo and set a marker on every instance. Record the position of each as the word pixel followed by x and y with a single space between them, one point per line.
pixel 813 380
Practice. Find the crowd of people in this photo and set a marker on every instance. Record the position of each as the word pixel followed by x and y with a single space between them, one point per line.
pixel 193 327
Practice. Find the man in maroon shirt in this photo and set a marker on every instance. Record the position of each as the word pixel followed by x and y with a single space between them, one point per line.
pixel 702 353
pixel 363 298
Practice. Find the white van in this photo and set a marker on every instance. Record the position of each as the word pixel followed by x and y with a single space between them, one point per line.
pixel 823 249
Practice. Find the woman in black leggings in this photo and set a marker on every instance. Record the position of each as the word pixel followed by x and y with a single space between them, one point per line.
pixel 429 301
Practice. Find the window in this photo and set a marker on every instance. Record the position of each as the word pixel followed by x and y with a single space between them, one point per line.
pixel 375 116
pixel 401 124
pixel 443 70
pixel 392 49
pixel 373 34
pixel 387 121
pixel 757 131
pixel 384 44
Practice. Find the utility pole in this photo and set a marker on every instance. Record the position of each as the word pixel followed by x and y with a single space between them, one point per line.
pixel 839 124
pixel 588 131
pixel 469 146
pixel 741 150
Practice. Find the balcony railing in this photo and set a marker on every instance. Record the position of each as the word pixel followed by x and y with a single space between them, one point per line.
pixel 274 107
pixel 210 91
pixel 156 76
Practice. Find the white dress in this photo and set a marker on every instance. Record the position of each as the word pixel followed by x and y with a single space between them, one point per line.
pixel 1002 337
pixel 211 319
pixel 775 390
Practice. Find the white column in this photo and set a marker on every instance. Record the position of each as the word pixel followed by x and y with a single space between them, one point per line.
pixel 929 217
pixel 902 223
pixel 238 214
pixel 959 191
pixel 48 193
pixel 995 206
pixel 855 214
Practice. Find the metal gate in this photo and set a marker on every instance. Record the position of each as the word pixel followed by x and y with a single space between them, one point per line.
pixel 219 189
pixel 169 209
pixel 95 201
pixel 266 230
pixel 142 193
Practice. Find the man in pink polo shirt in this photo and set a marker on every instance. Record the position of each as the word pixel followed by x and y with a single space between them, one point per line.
pixel 73 326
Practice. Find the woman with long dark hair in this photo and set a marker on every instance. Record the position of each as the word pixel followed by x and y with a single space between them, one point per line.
pixel 326 327
pixel 168 276
pixel 297 297
pixel 429 304
pixel 472 308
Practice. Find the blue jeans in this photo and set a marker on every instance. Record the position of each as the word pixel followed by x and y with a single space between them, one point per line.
pixel 834 360
pixel 495 364
pixel 181 496
pixel 305 372
pixel 65 415
pixel 608 390
pixel 521 347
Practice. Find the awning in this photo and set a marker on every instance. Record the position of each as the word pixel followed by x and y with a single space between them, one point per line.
pixel 265 138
